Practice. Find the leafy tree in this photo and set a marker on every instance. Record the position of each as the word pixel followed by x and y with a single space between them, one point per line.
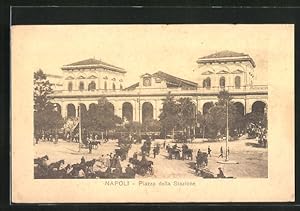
pixel 101 117
pixel 169 114
pixel 201 122
pixel 223 98
pixel 256 123
pixel 186 113
pixel 46 118
pixel 133 127
pixel 42 89
pixel 217 115
pixel 151 125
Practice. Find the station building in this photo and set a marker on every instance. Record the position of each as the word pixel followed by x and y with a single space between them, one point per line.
pixel 83 83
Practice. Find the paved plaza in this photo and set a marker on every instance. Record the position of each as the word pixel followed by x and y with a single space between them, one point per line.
pixel 253 160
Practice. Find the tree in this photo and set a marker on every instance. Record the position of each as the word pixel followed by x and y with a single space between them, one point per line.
pixel 133 127
pixel 201 122
pixel 46 117
pixel 256 123
pixel 186 113
pixel 42 89
pixel 169 115
pixel 101 117
pixel 216 117
pixel 151 125
pixel 223 98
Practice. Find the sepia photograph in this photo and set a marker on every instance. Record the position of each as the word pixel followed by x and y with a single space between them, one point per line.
pixel 151 106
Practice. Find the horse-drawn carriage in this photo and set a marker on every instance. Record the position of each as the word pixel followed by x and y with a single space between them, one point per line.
pixel 173 152
pixel 146 147
pixel 142 167
pixel 186 152
pixel 122 152
pixel 201 159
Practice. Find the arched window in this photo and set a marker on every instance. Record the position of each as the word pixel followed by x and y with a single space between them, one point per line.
pixel 105 85
pixel 70 86
pixel 92 86
pixel 237 82
pixel 206 83
pixel 114 86
pixel 222 82
pixel 81 86
pixel 121 87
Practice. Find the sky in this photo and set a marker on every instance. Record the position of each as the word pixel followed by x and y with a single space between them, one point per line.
pixel 140 49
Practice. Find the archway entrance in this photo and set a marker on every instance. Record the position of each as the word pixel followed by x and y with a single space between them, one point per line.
pixel 147 111
pixel 240 108
pixel 207 106
pixel 71 110
pixel 258 106
pixel 127 111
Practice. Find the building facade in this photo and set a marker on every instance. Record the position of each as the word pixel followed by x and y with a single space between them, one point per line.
pixel 85 82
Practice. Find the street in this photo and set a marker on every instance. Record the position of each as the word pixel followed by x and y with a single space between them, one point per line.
pixel 253 161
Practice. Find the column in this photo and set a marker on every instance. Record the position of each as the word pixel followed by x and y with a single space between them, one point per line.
pixel 76 109
pixel 118 109
pixel 133 103
pixel 140 113
pixel 248 106
pixel 63 110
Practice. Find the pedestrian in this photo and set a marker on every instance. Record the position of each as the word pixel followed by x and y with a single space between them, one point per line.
pixel 90 146
pixel 56 138
pixel 198 153
pixel 118 162
pixel 154 152
pixel 164 144
pixel 129 172
pixel 168 147
pixel 221 173
pixel 107 160
pixel 221 152
pixel 209 151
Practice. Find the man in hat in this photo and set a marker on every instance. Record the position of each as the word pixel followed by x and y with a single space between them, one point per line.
pixel 209 151
pixel 221 173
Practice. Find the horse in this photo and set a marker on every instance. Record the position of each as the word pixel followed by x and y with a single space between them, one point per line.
pixel 201 159
pixel 204 172
pixel 41 160
pixel 145 167
pixel 156 151
pixel 61 173
pixel 95 144
pixel 175 152
pixel 142 167
pixel 56 165
pixel 76 168
pixel 146 149
pixel 90 164
pixel 122 152
pixel 186 152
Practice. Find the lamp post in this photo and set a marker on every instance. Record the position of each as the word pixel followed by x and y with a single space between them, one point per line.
pixel 227 161
pixel 79 118
pixel 139 101
pixel 227 132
